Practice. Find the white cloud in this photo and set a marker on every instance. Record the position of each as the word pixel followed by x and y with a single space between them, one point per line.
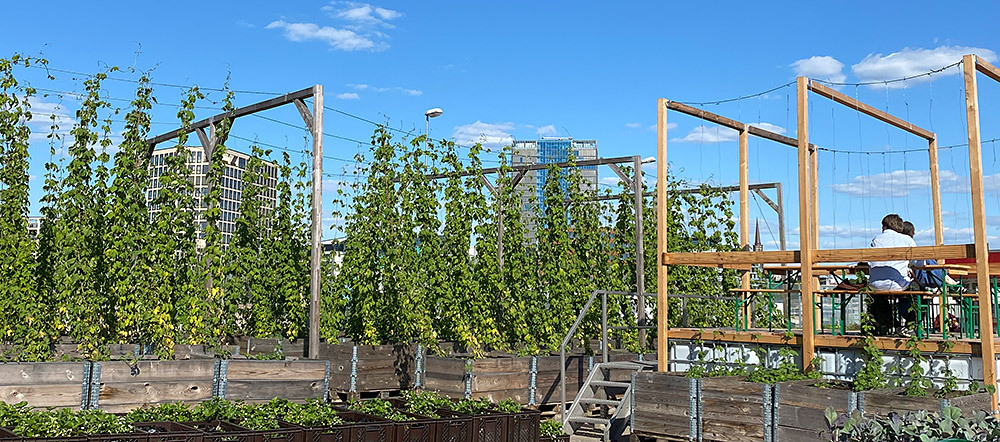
pixel 633 125
pixel 342 39
pixel 769 127
pixel 610 180
pixel 363 14
pixel 546 131
pixel 348 96
pixel 823 67
pixel 705 134
pixel 848 231
pixel 899 183
pixel 910 62
pixel 486 133
pixel 370 88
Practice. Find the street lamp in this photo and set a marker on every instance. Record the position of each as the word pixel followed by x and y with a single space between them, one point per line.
pixel 431 113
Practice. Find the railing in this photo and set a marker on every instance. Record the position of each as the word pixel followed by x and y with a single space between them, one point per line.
pixel 604 329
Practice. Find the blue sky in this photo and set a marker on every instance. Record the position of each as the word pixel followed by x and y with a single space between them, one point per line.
pixel 590 70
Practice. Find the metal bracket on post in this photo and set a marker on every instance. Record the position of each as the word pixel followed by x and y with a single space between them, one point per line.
pixel 95 385
pixel 468 378
pixel 693 409
pixel 590 364
pixel 354 369
pixel 631 404
pixel 861 402
pixel 768 412
pixel 532 379
pixel 326 383
pixel 418 366
pixel 220 376
pixel 85 387
pixel 852 402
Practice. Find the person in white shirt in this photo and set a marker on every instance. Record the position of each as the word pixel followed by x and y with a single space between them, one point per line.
pixel 889 276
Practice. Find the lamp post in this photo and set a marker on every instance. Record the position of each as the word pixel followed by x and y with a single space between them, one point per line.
pixel 431 113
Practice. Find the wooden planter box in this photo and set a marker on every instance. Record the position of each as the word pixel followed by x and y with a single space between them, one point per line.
pixel 881 402
pixel 124 387
pixel 733 410
pixel 666 405
pixel 801 408
pixel 501 378
pixel 376 368
pixel 45 384
pixel 261 381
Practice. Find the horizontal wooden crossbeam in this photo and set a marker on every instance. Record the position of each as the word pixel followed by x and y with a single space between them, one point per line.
pixel 987 69
pixel 869 110
pixel 739 259
pixel 239 112
pixel 822 341
pixel 730 123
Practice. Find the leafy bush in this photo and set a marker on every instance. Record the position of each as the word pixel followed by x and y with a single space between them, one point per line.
pixel 380 408
pixel 920 426
pixel 550 428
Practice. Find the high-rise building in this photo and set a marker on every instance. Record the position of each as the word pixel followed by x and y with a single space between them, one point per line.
pixel 235 164
pixel 35 226
pixel 545 151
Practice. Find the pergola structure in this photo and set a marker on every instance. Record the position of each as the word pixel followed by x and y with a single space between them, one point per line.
pixel 810 254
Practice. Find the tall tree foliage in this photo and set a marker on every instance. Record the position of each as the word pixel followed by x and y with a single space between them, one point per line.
pixel 25 322
pixel 79 277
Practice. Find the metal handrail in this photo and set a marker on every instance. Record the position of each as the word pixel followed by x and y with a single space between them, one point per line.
pixel 604 332
pixel 572 330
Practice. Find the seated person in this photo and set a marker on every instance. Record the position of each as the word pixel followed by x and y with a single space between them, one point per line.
pixel 926 279
pixel 891 276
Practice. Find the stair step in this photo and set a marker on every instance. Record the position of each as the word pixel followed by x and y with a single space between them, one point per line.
pixel 598 401
pixel 624 365
pixel 588 420
pixel 610 384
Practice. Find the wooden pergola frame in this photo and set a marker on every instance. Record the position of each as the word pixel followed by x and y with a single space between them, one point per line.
pixel 809 253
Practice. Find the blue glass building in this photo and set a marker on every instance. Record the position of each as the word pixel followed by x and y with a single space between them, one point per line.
pixel 545 151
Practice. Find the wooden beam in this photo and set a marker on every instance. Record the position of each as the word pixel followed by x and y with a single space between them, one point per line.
pixel 662 351
pixel 235 113
pixel 745 208
pixel 523 169
pixel 729 259
pixel 805 222
pixel 730 123
pixel 869 110
pixel 987 69
pixel 969 65
pixel 737 259
pixel 951 251
pixel 316 251
pixel 814 196
pixel 932 155
pixel 758 132
pixel 640 252
pixel 705 115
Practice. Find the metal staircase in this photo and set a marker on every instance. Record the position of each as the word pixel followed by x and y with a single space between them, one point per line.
pixel 604 403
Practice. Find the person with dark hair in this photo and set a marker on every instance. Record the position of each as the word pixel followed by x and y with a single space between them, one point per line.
pixel 891 276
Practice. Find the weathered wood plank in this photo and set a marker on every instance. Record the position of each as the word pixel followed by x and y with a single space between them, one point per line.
pixel 259 390
pixel 276 370
pixel 120 397
pixel 41 373
pixel 157 371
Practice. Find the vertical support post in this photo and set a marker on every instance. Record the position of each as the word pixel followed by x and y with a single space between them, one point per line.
pixel 745 219
pixel 805 222
pixel 661 235
pixel 316 251
pixel 781 216
pixel 979 226
pixel 814 196
pixel 640 252
pixel 932 154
